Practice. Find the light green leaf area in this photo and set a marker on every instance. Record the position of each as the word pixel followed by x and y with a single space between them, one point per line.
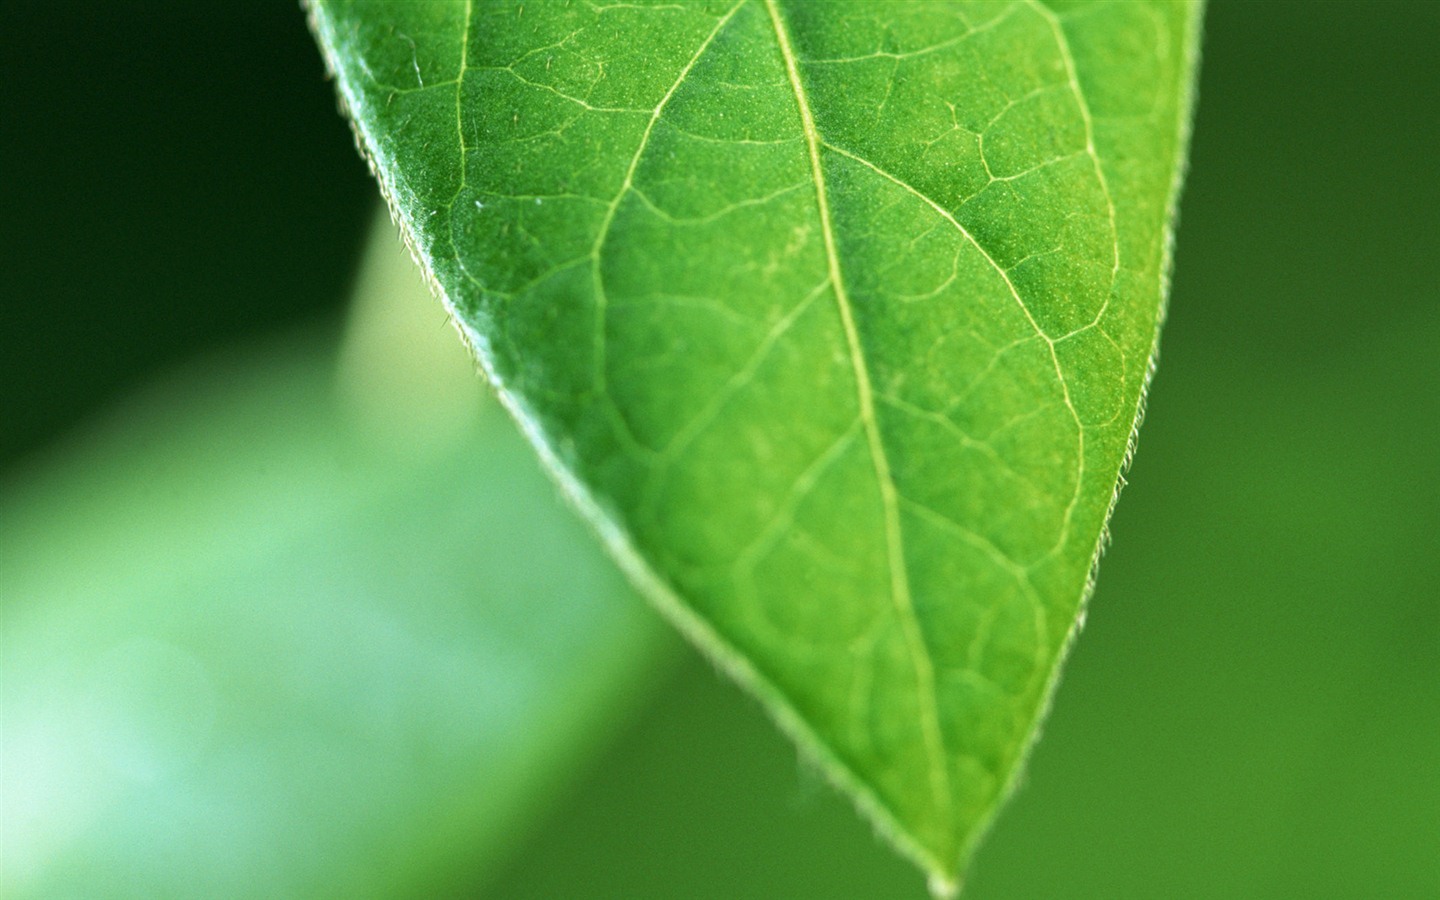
pixel 835 318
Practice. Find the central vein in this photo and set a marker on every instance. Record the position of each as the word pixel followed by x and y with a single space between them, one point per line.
pixel 895 545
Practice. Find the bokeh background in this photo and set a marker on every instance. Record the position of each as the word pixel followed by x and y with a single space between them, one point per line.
pixel 195 529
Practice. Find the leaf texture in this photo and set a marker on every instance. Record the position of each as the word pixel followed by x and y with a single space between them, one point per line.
pixel 834 318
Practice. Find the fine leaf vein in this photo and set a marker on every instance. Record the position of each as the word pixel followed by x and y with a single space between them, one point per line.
pixel 1020 301
pixel 1088 121
pixel 601 302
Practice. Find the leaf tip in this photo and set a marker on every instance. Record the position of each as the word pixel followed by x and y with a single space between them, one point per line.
pixel 943 887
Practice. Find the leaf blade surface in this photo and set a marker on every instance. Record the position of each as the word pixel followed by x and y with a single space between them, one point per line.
pixel 835 318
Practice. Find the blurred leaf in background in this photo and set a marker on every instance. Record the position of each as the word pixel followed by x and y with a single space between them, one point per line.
pixel 1254 711
pixel 269 633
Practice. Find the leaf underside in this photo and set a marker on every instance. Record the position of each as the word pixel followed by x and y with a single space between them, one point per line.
pixel 835 318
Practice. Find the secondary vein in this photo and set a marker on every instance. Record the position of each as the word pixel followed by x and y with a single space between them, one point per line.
pixel 1035 325
pixel 895 547
pixel 597 279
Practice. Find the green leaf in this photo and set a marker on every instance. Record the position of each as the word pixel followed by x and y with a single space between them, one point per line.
pixel 834 318
pixel 265 637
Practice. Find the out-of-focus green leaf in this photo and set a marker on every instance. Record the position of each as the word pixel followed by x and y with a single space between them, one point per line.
pixel 835 318
pixel 273 631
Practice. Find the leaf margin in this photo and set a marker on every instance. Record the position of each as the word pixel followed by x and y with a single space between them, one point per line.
pixel 944 878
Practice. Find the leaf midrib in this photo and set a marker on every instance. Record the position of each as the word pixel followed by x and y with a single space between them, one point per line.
pixel 919 653
pixel 891 499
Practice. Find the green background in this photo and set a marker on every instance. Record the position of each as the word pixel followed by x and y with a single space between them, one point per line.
pixel 1253 709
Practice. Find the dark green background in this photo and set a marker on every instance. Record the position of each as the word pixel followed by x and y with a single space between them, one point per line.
pixel 1254 707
